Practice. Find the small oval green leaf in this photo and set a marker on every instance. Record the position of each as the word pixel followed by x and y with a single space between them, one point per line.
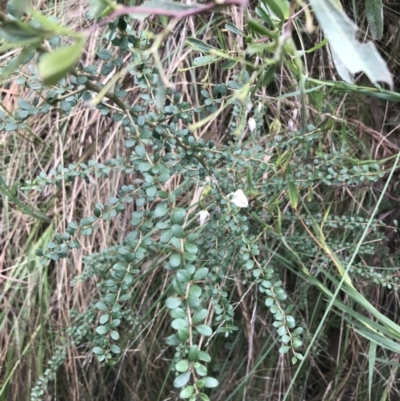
pixel 187 392
pixel 178 214
pixel 178 231
pixel 181 380
pixel 193 352
pixel 199 316
pixel 210 382
pixel 204 330
pixel 200 369
pixel 175 260
pixel 172 302
pixel 200 274
pixel 182 366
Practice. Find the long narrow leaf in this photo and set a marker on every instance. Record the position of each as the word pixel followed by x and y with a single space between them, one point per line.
pixel 24 208
pixel 340 31
pixel 374 11
pixel 371 365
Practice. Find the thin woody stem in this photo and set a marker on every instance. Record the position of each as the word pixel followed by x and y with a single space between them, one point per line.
pixel 193 9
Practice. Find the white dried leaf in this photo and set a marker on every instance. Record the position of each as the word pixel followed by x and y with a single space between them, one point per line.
pixel 239 198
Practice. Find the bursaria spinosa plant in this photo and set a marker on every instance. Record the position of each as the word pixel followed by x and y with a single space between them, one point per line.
pixel 200 253
pixel 212 228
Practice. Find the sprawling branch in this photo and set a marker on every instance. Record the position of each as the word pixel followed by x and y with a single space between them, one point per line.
pixel 186 11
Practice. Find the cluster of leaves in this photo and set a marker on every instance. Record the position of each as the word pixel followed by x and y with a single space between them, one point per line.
pixel 200 262
pixel 79 332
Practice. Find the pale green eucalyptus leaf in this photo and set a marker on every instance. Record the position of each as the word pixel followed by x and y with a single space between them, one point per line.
pixel 162 7
pixel 340 68
pixel 374 12
pixel 55 65
pixel 340 32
